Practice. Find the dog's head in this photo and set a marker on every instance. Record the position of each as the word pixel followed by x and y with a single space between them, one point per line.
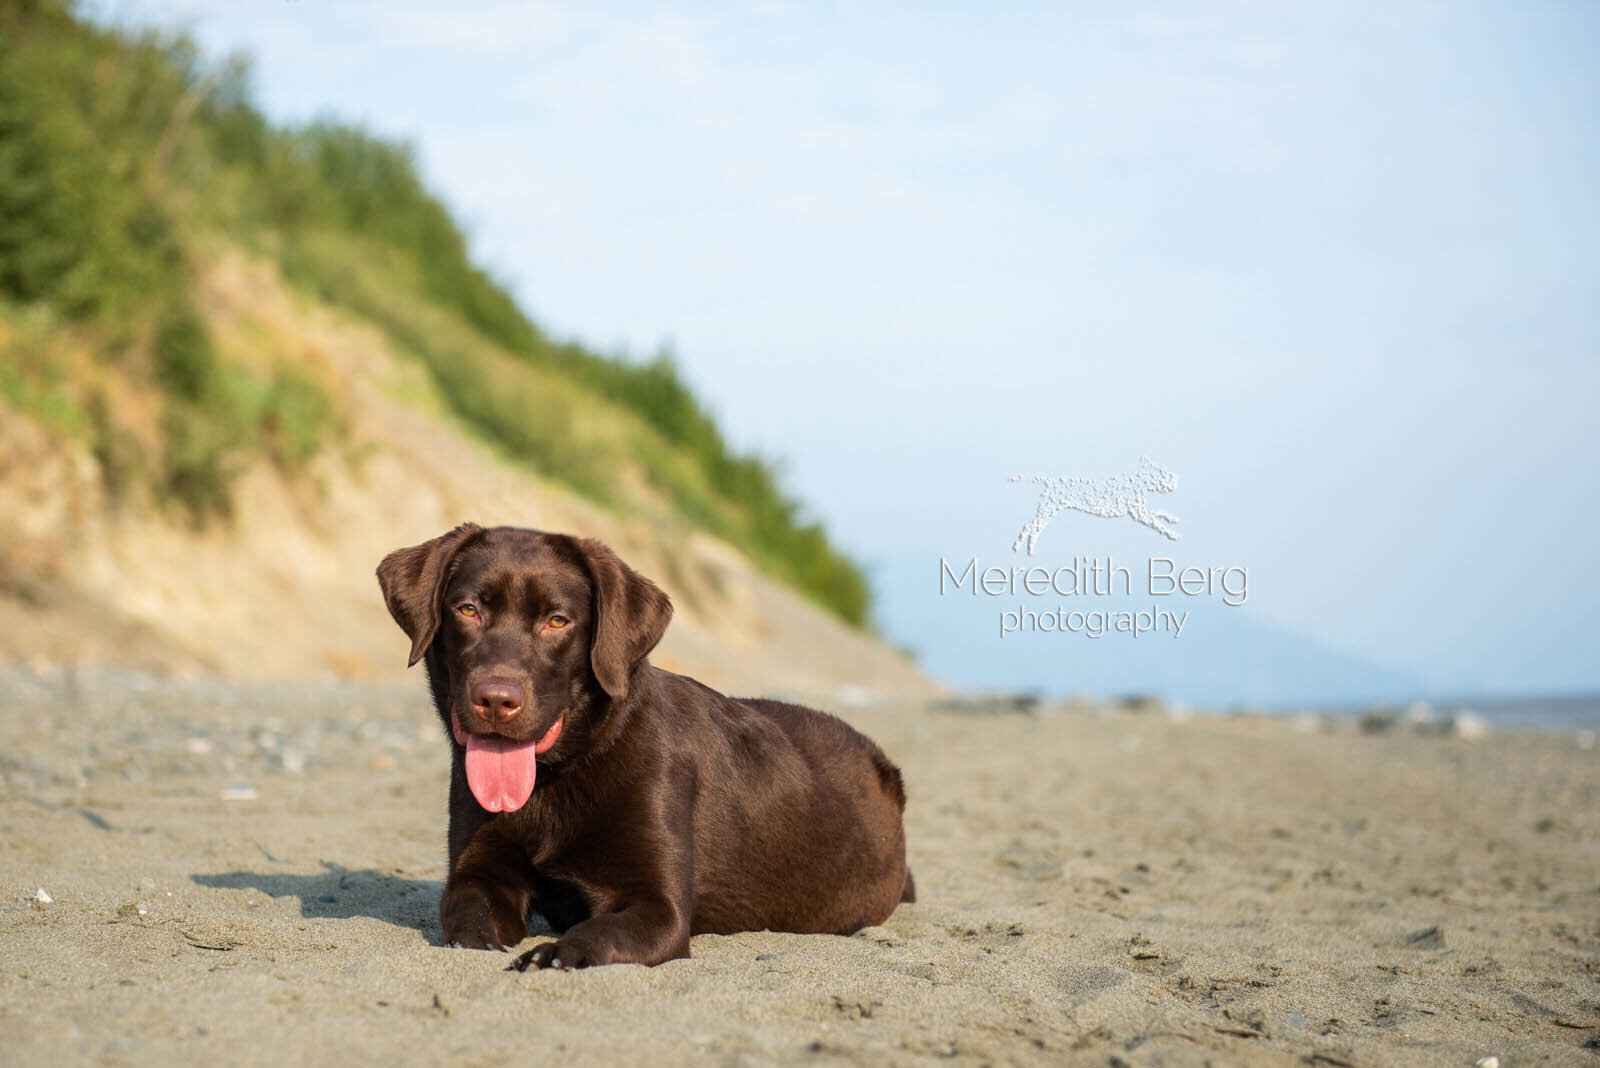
pixel 527 635
pixel 1155 478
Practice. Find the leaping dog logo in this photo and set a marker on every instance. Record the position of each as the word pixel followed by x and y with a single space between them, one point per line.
pixel 1109 498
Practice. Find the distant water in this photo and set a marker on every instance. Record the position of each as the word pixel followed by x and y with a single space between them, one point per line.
pixel 1534 713
pixel 1511 714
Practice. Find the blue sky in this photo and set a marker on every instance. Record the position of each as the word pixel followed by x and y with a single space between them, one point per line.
pixel 1336 265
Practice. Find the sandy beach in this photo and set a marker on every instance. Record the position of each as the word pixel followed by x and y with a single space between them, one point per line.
pixel 248 874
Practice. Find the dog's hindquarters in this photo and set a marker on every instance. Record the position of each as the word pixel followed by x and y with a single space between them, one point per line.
pixel 831 835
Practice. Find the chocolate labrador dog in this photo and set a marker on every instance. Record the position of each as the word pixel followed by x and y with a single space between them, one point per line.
pixel 629 806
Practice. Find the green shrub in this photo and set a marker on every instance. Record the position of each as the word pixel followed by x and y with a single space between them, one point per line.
pixel 88 227
pixel 196 473
pixel 184 361
pixel 295 419
pixel 121 459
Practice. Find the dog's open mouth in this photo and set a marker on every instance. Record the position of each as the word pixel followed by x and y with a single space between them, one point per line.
pixel 501 771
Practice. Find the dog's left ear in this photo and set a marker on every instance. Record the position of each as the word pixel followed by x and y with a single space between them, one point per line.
pixel 413 584
pixel 631 615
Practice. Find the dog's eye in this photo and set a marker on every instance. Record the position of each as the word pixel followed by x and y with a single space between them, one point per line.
pixel 557 622
pixel 469 610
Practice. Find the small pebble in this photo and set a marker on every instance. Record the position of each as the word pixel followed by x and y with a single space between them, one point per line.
pixel 198 746
pixel 40 897
pixel 1379 721
pixel 238 793
pixel 1487 1062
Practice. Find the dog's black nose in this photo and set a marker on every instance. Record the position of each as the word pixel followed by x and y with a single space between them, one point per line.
pixel 497 699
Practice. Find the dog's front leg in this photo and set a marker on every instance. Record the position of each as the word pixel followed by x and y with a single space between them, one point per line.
pixel 486 899
pixel 1161 521
pixel 645 930
pixel 1155 519
pixel 639 886
pixel 1030 533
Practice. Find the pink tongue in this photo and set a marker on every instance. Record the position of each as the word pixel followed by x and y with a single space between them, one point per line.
pixel 500 772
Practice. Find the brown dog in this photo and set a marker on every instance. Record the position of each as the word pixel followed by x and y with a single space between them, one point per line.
pixel 629 806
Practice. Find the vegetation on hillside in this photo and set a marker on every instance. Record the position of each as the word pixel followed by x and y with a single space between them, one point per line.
pixel 121 150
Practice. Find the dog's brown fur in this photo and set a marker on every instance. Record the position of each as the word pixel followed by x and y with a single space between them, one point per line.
pixel 664 809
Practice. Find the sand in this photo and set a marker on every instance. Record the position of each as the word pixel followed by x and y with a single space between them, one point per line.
pixel 1097 887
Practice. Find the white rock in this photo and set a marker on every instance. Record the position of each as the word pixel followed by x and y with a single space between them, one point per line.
pixel 239 793
pixel 1487 1062
pixel 1421 714
pixel 40 897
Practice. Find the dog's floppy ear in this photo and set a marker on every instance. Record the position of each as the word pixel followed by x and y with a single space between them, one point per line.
pixel 413 584
pixel 631 614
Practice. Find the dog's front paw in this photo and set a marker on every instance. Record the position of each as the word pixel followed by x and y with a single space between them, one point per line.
pixel 537 958
pixel 476 933
pixel 471 922
pixel 565 953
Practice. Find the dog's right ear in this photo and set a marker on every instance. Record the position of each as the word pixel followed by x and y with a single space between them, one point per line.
pixel 413 584
pixel 631 613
